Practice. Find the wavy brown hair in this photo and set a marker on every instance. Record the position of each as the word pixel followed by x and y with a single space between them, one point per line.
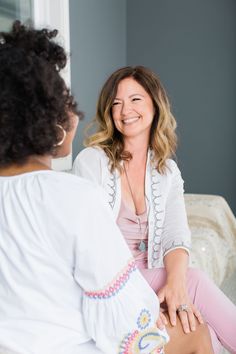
pixel 162 140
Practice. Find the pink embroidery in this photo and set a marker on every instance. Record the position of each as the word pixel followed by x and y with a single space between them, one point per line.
pixel 116 285
pixel 128 342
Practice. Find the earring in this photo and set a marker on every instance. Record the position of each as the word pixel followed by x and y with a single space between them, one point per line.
pixel 64 135
pixel 2 40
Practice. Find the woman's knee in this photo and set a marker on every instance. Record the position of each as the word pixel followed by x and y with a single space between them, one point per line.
pixel 204 339
pixel 196 342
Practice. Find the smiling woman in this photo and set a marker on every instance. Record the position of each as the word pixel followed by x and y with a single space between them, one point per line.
pixel 130 156
pixel 134 85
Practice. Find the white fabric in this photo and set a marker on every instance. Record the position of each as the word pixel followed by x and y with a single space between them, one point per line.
pixel 58 244
pixel 168 226
pixel 213 228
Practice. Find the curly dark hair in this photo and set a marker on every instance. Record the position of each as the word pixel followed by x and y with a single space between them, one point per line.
pixel 33 96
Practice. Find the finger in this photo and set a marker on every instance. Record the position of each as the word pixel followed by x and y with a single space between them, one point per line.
pixel 191 320
pixel 172 315
pixel 159 322
pixel 161 296
pixel 198 314
pixel 164 319
pixel 184 321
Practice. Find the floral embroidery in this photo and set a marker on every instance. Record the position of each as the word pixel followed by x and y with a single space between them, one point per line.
pixel 116 285
pixel 144 319
pixel 147 340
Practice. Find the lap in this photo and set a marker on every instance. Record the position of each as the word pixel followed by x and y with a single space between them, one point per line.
pixel 156 277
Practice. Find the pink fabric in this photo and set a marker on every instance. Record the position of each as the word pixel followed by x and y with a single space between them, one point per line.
pixel 134 229
pixel 218 311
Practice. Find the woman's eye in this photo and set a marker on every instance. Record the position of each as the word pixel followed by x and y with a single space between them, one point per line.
pixel 136 99
pixel 115 103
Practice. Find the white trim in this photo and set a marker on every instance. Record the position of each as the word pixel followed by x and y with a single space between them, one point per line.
pixel 62 164
pixel 55 14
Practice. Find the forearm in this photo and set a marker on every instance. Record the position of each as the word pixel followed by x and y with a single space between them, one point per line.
pixel 176 263
pixel 175 292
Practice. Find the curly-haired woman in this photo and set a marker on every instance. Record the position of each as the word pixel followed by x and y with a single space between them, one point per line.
pixel 57 293
pixel 130 156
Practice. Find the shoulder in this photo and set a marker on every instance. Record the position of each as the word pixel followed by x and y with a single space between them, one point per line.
pixel 57 189
pixel 172 167
pixel 91 156
pixel 69 183
pixel 91 163
pixel 91 152
pixel 78 192
pixel 74 198
pixel 172 174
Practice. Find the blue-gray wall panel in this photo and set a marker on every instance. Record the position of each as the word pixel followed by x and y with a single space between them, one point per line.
pixel 192 46
pixel 98 47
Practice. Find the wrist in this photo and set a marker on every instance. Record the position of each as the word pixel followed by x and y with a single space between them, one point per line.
pixel 176 278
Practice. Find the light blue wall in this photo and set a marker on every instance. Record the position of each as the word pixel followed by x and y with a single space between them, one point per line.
pixel 192 46
pixel 98 47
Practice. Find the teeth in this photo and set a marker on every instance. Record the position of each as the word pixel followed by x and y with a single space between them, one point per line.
pixel 130 120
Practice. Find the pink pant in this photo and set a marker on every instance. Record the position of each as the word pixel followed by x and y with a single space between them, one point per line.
pixel 217 310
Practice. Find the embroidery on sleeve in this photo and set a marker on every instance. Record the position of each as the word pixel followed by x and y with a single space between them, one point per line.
pixel 147 340
pixel 176 244
pixel 112 187
pixel 116 285
pixel 144 319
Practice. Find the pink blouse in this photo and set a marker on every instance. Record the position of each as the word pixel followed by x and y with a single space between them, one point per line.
pixel 135 231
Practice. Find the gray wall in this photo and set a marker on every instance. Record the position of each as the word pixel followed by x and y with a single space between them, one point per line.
pixel 192 46
pixel 98 47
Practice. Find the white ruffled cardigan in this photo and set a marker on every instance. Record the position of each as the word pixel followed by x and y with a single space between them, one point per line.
pixel 168 226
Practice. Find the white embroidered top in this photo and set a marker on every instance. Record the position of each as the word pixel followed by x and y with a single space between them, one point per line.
pixel 167 224
pixel 66 273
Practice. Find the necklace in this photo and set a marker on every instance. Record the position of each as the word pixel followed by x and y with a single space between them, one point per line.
pixel 142 245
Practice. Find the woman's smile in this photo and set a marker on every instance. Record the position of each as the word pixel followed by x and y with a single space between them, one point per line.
pixel 132 107
pixel 130 120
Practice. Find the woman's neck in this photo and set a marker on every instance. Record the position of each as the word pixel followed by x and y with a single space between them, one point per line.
pixel 33 163
pixel 137 147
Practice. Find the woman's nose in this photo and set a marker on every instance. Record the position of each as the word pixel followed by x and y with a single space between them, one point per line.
pixel 126 108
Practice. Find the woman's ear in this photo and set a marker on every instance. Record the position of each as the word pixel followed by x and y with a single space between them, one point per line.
pixel 65 148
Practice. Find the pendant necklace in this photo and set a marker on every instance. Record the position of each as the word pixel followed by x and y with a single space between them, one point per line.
pixel 142 245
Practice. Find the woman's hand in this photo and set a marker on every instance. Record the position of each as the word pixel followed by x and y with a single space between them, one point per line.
pixel 172 295
pixel 162 320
